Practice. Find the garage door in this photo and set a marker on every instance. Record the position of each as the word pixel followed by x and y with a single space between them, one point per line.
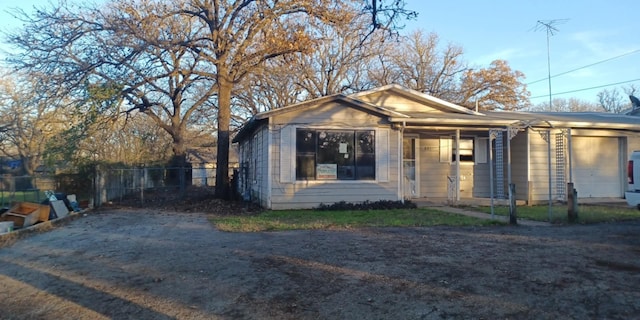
pixel 596 167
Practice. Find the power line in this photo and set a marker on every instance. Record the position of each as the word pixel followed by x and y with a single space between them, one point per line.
pixel 587 66
pixel 590 88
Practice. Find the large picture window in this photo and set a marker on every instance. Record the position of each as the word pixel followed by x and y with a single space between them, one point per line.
pixel 335 154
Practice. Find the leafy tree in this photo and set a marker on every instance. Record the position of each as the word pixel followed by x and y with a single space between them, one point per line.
pixel 495 87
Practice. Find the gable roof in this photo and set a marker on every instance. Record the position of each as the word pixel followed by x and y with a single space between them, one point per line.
pixel 423 98
pixel 263 116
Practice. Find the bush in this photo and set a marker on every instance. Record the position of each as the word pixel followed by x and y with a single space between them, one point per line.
pixel 367 205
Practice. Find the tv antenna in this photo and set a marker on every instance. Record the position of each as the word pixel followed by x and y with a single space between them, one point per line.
pixel 550 27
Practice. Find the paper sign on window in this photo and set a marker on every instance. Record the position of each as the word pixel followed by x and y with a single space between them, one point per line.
pixel 327 171
pixel 343 148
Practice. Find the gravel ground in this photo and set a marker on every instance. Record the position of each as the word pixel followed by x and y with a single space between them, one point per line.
pixel 151 264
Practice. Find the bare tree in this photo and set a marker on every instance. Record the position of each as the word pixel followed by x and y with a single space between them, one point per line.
pixel 170 60
pixel 29 121
pixel 612 101
pixel 418 62
pixel 237 38
pixel 423 67
pixel 337 63
pixel 133 49
pixel 565 105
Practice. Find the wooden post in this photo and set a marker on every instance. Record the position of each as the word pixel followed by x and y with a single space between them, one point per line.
pixel 512 204
pixel 572 203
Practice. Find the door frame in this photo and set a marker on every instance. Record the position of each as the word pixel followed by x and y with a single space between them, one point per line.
pixel 416 144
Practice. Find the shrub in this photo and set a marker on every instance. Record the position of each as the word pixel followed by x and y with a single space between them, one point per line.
pixel 367 205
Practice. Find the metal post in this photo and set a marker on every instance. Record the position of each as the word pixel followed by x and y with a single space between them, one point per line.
pixel 142 187
pixel 491 171
pixel 549 171
pixel 457 165
pixel 570 155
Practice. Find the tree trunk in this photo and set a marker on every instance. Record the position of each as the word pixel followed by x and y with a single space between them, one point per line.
pixel 224 120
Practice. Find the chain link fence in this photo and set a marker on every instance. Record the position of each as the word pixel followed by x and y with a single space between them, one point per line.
pixel 24 188
pixel 101 185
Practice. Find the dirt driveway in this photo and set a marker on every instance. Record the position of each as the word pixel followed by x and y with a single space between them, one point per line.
pixel 141 264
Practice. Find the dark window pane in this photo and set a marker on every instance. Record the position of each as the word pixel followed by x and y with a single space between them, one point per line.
pixel 366 167
pixel 366 141
pixel 346 172
pixel 305 167
pixel 408 149
pixel 305 141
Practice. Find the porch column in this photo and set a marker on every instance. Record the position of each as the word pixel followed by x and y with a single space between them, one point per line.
pixel 570 155
pixel 457 165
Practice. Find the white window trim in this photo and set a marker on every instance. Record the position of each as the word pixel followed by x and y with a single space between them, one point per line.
pixel 447 144
pixel 288 155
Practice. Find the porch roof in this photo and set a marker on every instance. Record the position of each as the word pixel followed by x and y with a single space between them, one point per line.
pixel 592 120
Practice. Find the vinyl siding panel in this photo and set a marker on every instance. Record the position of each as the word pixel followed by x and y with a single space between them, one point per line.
pixel 397 102
pixel 253 185
pixel 520 165
pixel 539 171
pixel 433 173
pixel 481 183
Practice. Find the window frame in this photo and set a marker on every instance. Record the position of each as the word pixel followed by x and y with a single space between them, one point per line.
pixel 358 165
pixel 448 150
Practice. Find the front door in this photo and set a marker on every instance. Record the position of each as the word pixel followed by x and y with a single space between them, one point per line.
pixel 410 167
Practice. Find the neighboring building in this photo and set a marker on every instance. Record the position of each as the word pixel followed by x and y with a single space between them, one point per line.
pixel 203 164
pixel 393 143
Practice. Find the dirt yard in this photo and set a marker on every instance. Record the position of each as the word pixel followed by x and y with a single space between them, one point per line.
pixel 148 264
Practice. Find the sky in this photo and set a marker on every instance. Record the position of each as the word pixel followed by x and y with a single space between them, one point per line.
pixel 601 39
pixel 593 33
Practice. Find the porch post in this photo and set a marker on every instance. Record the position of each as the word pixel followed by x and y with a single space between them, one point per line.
pixel 570 155
pixel 457 165
pixel 548 135
pixel 492 135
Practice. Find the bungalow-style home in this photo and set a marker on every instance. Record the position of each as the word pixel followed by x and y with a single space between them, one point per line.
pixel 393 143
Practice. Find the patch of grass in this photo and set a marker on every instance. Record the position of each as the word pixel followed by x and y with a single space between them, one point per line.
pixel 586 213
pixel 344 219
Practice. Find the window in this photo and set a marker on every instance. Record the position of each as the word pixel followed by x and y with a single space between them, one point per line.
pixel 335 154
pixel 466 150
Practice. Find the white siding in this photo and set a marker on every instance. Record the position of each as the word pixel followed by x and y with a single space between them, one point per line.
pixel 254 160
pixel 292 194
pixel 433 171
pixel 396 102
pixel 538 169
pixel 520 165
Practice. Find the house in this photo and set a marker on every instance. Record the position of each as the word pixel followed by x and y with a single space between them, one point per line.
pixel 393 143
pixel 203 164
